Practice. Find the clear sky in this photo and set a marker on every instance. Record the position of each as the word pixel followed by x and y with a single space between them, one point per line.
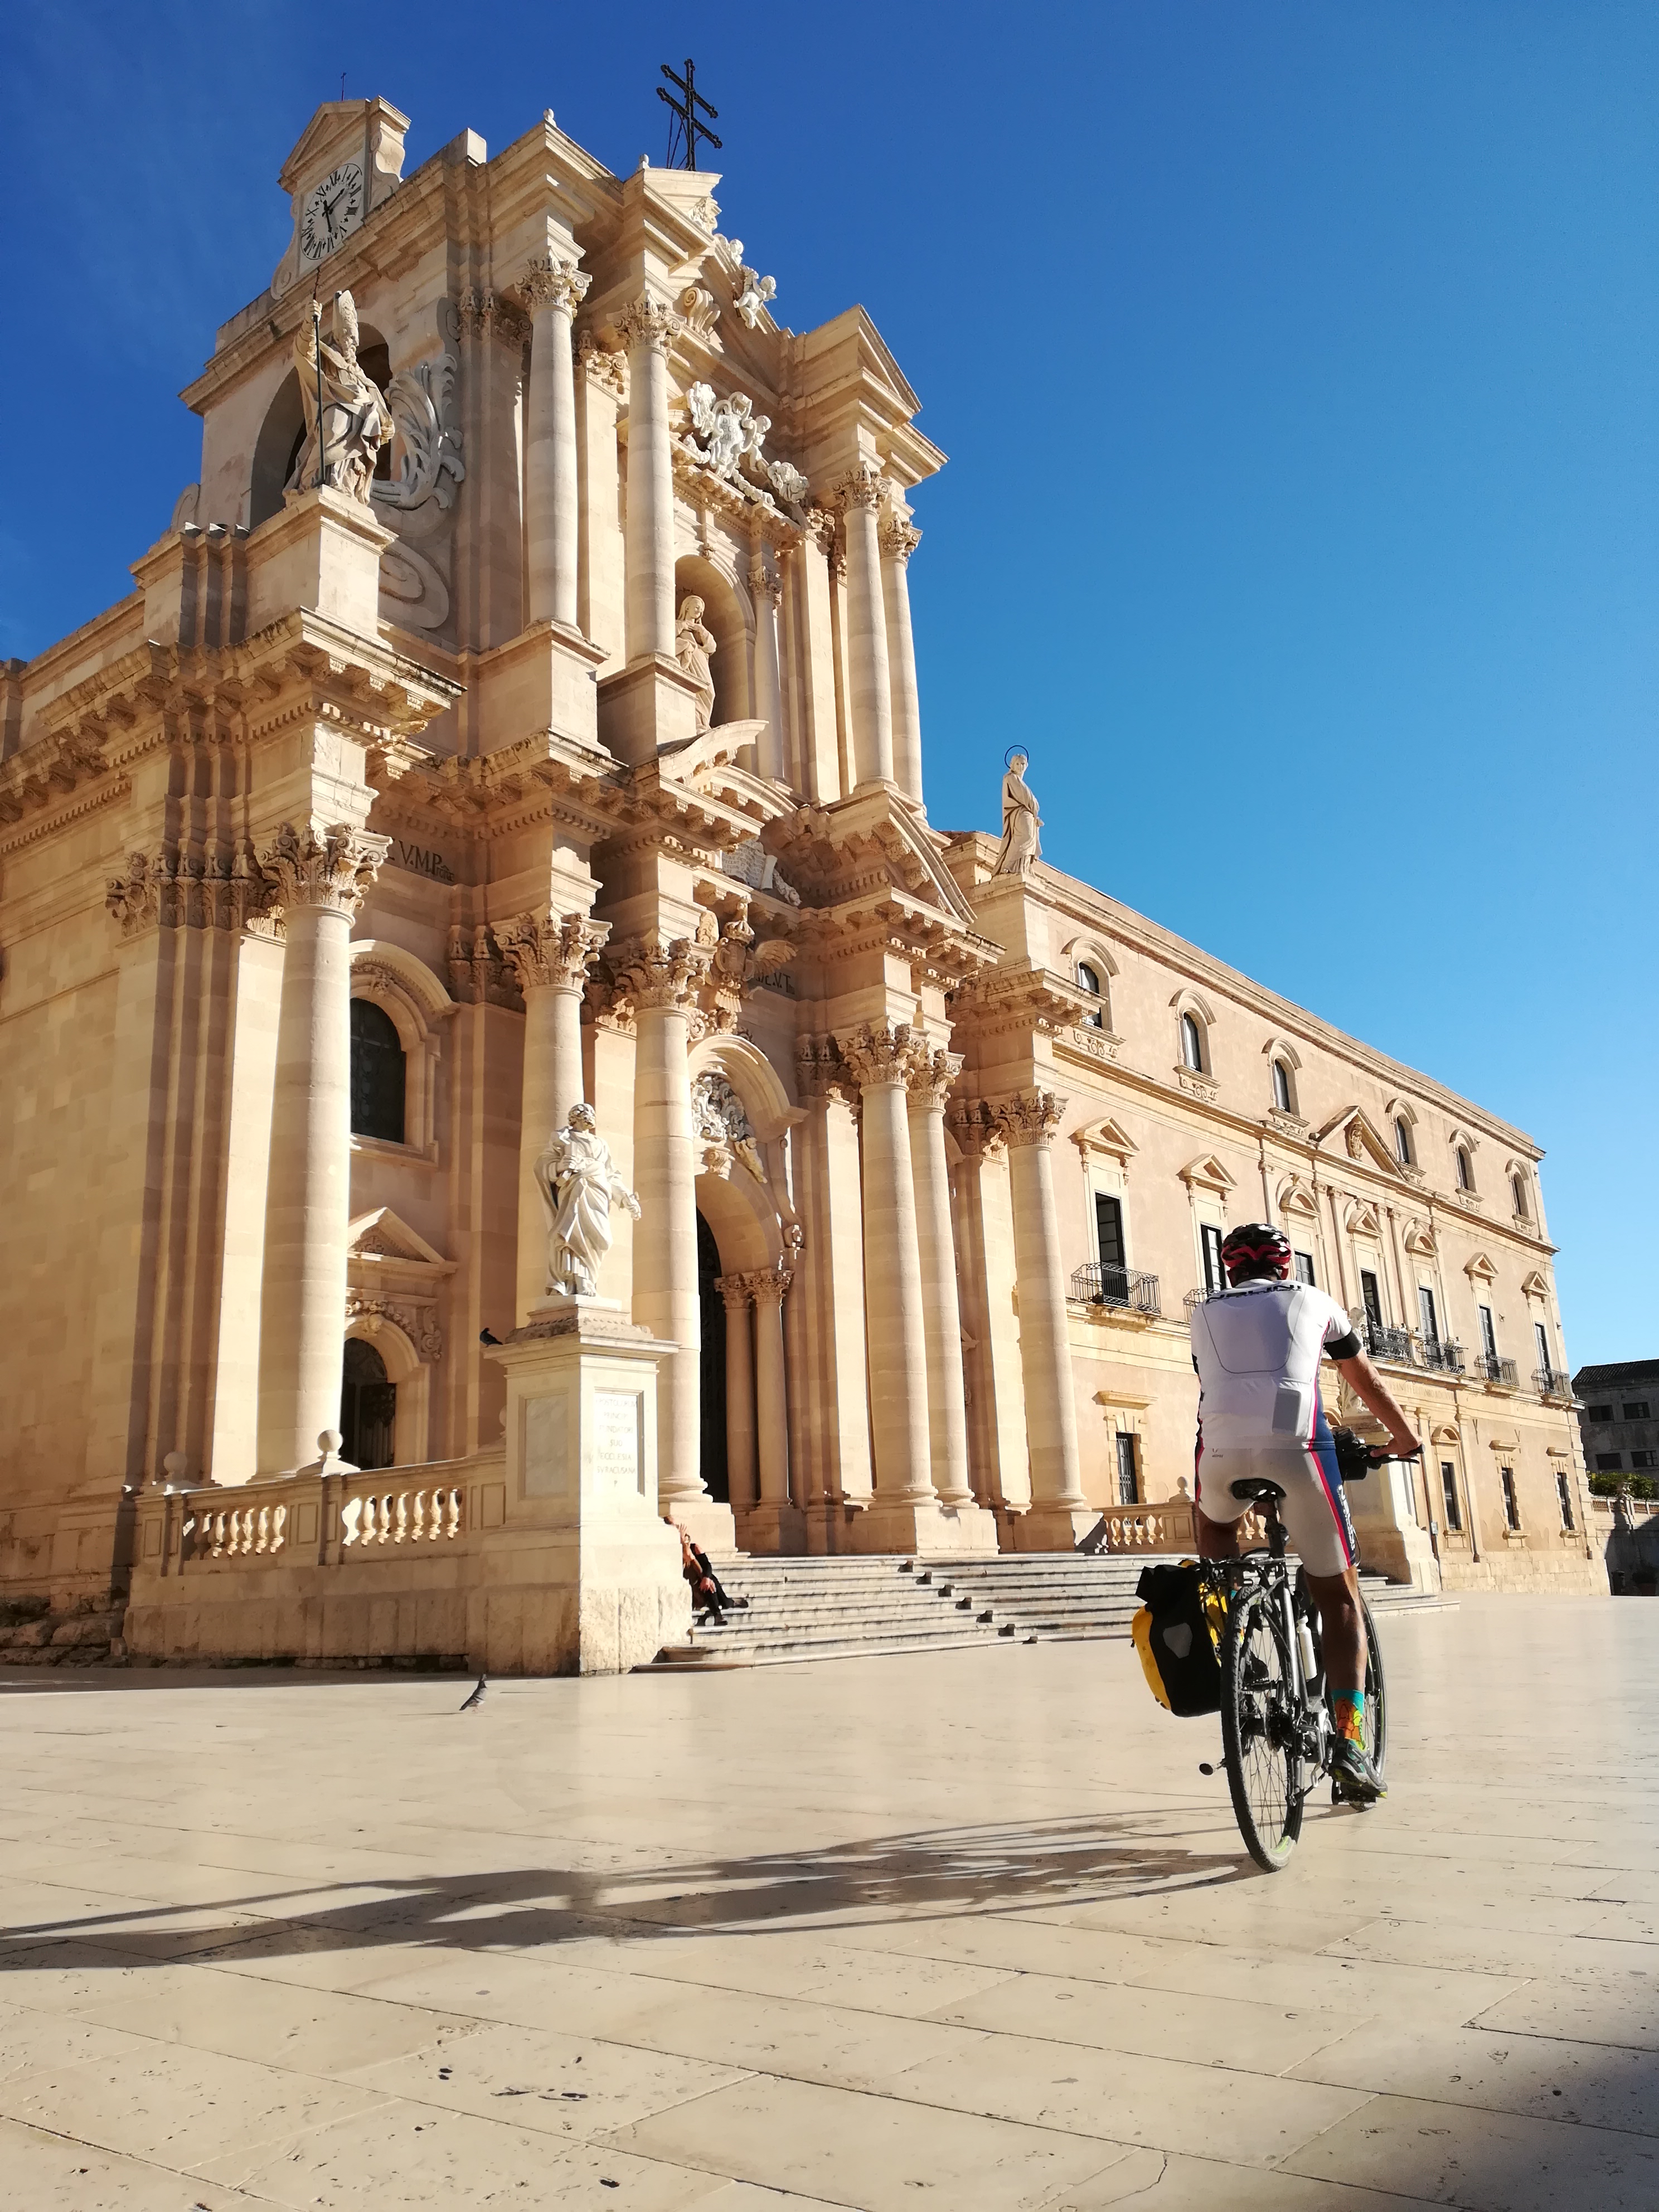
pixel 1295 359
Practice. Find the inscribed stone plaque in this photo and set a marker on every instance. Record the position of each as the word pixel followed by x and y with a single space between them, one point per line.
pixel 617 1441
pixel 546 1423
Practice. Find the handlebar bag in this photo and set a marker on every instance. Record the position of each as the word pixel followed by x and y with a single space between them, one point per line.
pixel 1177 1632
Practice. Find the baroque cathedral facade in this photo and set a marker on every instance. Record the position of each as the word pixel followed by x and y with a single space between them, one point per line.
pixel 522 709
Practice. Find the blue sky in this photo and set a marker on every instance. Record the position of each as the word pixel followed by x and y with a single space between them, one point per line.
pixel 1295 361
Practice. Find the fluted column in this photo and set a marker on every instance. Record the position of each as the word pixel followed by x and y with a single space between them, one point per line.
pixel 881 1060
pixel 898 540
pixel 551 954
pixel 771 1396
pixel 739 1298
pixel 554 289
pixel 1059 1509
pixel 769 692
pixel 866 624
pixel 647 329
pixel 947 1409
pixel 660 977
pixel 319 882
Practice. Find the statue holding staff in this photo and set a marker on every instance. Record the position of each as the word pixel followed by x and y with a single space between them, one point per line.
pixel 578 1181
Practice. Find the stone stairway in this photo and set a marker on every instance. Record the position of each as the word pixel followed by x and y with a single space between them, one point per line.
pixel 855 1607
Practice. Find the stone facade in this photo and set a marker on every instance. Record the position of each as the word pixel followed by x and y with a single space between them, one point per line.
pixel 929 1154
pixel 1617 1418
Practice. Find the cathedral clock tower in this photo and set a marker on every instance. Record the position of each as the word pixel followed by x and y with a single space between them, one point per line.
pixel 349 161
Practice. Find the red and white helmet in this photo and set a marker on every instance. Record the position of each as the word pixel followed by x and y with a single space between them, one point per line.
pixel 1257 1248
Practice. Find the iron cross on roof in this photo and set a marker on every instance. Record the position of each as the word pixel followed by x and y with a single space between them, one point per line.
pixel 685 129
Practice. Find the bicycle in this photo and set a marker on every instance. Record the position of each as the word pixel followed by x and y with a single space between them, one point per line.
pixel 1276 1731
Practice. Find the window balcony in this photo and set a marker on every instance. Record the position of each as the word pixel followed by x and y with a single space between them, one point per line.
pixel 1392 1344
pixel 1444 1359
pixel 1551 1383
pixel 1122 1287
pixel 1503 1372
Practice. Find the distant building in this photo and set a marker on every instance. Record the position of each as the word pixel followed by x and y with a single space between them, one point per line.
pixel 1619 1417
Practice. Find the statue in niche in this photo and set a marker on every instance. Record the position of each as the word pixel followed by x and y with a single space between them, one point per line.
pixel 354 418
pixel 578 1181
pixel 1020 821
pixel 693 645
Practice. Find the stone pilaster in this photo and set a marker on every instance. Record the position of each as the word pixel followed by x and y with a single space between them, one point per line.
pixel 319 882
pixel 739 1299
pixel 767 593
pixel 551 954
pixel 898 540
pixel 775 1525
pixel 554 290
pixel 947 1412
pixel 647 329
pixel 998 1443
pixel 1059 1513
pixel 866 621
pixel 831 1461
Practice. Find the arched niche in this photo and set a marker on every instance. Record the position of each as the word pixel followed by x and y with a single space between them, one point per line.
pixel 283 432
pixel 408 992
pixel 728 616
pixel 408 1375
pixel 754 1078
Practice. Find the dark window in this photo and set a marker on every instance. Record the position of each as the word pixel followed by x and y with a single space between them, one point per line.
pixel 1564 1491
pixel 1518 1192
pixel 1087 980
pixel 1128 1490
pixel 1598 1412
pixel 376 1074
pixel 1371 1298
pixel 369 1406
pixel 1608 1462
pixel 1488 1333
pixel 1465 1172
pixel 1541 1338
pixel 711 1366
pixel 1427 1313
pixel 1192 1044
pixel 1108 1236
pixel 1449 1492
pixel 1641 1459
pixel 1636 1409
pixel 1511 1510
pixel 1215 1275
pixel 1281 1087
pixel 1303 1266
pixel 1402 1140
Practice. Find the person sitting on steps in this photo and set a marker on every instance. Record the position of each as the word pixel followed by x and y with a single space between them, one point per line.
pixel 710 1602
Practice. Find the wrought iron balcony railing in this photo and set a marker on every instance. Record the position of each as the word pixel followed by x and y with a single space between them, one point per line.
pixel 1446 1358
pixel 1098 1285
pixel 1395 1344
pixel 1551 1383
pixel 1491 1368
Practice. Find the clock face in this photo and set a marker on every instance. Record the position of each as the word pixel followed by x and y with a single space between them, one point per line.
pixel 334 208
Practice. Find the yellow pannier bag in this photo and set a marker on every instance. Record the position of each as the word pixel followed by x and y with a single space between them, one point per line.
pixel 1177 1632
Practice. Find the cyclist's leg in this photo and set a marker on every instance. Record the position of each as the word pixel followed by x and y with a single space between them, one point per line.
pixel 1341 1629
pixel 1218 1512
pixel 1316 1516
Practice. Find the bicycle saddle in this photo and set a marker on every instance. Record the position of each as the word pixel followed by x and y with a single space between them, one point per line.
pixel 1257 1488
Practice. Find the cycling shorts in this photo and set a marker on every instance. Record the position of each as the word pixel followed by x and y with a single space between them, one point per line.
pixel 1315 1512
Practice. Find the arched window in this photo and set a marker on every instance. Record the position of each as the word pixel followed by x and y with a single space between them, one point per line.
pixel 1192 1044
pixel 369 1406
pixel 1465 1171
pixel 1402 1140
pixel 377 1074
pixel 1088 979
pixel 1282 1087
pixel 1518 1190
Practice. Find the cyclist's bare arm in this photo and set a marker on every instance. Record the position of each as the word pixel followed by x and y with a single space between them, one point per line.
pixel 1368 1386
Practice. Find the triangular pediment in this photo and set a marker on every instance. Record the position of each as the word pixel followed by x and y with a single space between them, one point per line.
pixel 1480 1269
pixel 860 844
pixel 1105 1136
pixel 1361 1139
pixel 1212 1173
pixel 1533 1285
pixel 383 1235
pixel 1362 1220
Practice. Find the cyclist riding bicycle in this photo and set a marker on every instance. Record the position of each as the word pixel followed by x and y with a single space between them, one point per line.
pixel 1257 1347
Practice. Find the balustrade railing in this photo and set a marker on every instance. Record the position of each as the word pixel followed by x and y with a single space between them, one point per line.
pixel 348 1517
pixel 413 1516
pixel 238 1531
pixel 1099 1285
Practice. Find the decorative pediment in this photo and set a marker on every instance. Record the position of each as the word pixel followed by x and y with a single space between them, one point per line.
pixel 1362 1219
pixel 1480 1269
pixel 1533 1285
pixel 1444 1435
pixel 1208 1173
pixel 1418 1238
pixel 1361 1139
pixel 1295 1197
pixel 1105 1136
pixel 383 1235
pixel 861 844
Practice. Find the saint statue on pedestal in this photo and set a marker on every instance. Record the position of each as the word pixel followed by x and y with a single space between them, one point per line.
pixel 1020 821
pixel 693 644
pixel 578 1179
pixel 354 421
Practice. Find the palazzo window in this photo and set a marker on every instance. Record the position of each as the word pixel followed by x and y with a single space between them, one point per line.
pixel 1192 1044
pixel 1643 1459
pixel 379 1073
pixel 1302 1264
pixel 1402 1140
pixel 1598 1412
pixel 1428 1315
pixel 1563 1493
pixel 1128 1487
pixel 1608 1462
pixel 1108 1241
pixel 1636 1409
pixel 1371 1298
pixel 368 1407
pixel 1088 979
pixel 1449 1493
pixel 1488 1334
pixel 1215 1275
pixel 1511 1504
pixel 1465 1171
pixel 1282 1088
pixel 1518 1192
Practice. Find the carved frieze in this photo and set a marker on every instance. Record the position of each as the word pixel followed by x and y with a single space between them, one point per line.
pixel 417 1321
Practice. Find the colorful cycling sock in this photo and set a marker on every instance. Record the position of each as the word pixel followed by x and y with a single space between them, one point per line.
pixel 1348 1711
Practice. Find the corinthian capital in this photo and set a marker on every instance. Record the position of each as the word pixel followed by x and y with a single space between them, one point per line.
pixel 1029 1117
pixel 654 970
pixel 333 870
pixel 899 540
pixel 769 1283
pixel 648 322
pixel 552 948
pixel 549 284
pixel 976 1128
pixel 883 1052
pixel 861 487
pixel 931 1074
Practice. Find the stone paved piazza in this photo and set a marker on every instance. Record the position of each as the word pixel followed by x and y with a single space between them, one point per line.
pixel 888 1934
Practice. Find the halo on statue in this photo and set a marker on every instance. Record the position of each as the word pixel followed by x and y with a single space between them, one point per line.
pixel 1016 752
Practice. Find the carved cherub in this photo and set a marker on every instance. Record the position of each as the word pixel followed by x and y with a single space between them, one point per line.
pixel 755 295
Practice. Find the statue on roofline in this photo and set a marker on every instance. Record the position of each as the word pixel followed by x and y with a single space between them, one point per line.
pixel 578 1181
pixel 354 421
pixel 1020 820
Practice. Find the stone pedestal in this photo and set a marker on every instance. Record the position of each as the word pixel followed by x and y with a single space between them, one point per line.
pixel 584 1577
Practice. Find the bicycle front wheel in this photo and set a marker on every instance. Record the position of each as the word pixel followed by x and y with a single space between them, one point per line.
pixel 1259 1729
pixel 1377 1708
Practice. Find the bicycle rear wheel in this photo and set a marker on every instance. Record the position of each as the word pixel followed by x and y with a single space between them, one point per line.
pixel 1258 1729
pixel 1377 1708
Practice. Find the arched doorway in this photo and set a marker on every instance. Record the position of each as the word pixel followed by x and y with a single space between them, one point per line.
pixel 712 1364
pixel 368 1407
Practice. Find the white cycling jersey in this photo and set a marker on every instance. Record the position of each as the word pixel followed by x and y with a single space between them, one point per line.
pixel 1257 1350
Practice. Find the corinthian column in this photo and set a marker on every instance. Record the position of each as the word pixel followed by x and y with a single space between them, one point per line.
pixel 554 289
pixel 768 692
pixel 647 329
pixel 738 1297
pixel 866 624
pixel 898 541
pixel 660 977
pixel 551 955
pixel 881 1060
pixel 1059 1512
pixel 947 1410
pixel 320 881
